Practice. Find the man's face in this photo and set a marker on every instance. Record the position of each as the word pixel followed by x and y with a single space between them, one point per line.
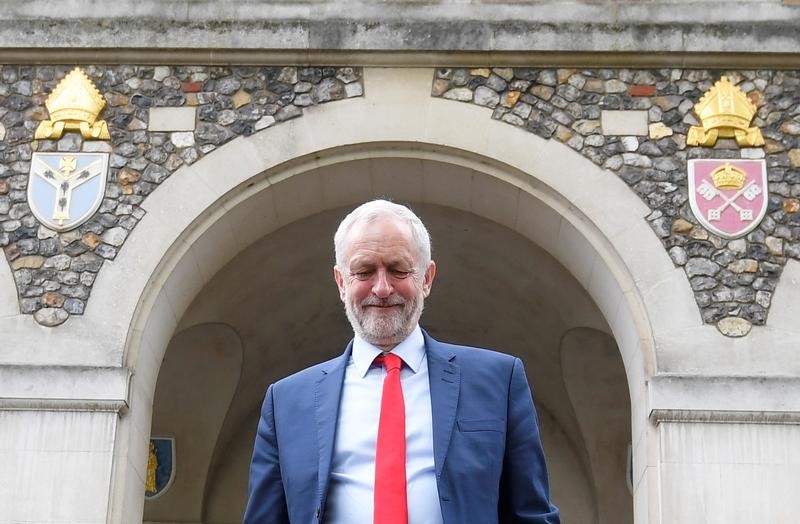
pixel 382 284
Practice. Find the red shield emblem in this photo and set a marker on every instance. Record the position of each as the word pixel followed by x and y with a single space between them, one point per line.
pixel 728 197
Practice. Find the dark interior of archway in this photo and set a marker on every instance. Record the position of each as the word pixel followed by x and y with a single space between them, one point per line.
pixel 494 288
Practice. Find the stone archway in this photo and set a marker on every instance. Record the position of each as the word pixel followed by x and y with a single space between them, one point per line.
pixel 205 214
pixel 480 183
pixel 495 289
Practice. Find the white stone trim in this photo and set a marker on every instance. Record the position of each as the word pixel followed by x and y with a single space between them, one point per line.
pixel 724 399
pixel 659 416
pixel 172 118
pixel 625 123
pixel 784 311
pixel 9 300
pixel 62 404
pixel 601 28
pixel 67 388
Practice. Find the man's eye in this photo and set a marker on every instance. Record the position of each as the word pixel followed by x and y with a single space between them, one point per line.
pixel 362 275
pixel 400 274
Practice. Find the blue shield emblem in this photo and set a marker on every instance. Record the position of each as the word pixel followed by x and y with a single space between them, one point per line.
pixel 160 467
pixel 66 189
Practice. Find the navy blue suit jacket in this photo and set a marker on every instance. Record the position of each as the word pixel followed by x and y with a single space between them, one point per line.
pixel 489 463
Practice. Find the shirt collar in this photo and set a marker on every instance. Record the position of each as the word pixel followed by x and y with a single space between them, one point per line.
pixel 411 351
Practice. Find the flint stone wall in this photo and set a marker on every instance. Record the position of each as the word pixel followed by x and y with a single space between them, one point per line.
pixel 54 272
pixel 731 279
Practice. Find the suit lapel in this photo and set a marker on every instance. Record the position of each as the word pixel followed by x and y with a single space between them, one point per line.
pixel 327 393
pixel 445 381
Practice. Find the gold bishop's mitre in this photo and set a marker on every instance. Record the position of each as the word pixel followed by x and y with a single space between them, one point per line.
pixel 74 105
pixel 725 112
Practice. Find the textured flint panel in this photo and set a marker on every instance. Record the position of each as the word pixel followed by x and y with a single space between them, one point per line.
pixel 160 118
pixel 652 110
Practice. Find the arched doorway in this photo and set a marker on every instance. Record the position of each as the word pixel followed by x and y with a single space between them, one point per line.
pixel 273 309
pixel 206 214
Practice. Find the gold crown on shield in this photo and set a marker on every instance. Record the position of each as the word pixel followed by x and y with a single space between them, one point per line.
pixel 725 112
pixel 728 177
pixel 74 105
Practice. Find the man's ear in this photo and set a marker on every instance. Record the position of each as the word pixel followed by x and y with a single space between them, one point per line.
pixel 337 276
pixel 428 278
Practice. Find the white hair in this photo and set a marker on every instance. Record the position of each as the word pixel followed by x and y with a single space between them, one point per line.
pixel 375 209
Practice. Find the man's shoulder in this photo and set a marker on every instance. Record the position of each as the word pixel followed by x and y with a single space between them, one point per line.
pixel 311 374
pixel 470 353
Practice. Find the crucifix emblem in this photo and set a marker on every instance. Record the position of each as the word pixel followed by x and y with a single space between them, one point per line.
pixel 65 189
pixel 728 197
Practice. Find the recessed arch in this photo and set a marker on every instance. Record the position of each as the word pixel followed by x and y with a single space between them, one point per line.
pixel 494 289
pixel 206 213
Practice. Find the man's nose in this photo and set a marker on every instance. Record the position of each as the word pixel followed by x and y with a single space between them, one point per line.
pixel 382 286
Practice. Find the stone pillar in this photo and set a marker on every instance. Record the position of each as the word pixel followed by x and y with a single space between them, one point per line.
pixel 729 449
pixel 729 471
pixel 57 436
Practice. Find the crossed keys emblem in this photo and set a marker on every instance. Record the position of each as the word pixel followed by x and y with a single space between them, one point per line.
pixel 65 179
pixel 709 192
pixel 728 196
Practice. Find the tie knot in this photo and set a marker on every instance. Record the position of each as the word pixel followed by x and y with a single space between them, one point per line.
pixel 389 360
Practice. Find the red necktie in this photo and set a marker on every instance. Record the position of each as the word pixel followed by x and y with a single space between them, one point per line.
pixel 390 455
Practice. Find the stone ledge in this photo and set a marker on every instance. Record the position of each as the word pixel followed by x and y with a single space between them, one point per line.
pixel 399 58
pixel 761 399
pixel 63 387
pixel 657 416
pixel 547 11
pixel 67 404
pixel 764 59
pixel 670 26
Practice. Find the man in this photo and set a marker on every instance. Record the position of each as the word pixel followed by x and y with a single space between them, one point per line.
pixel 426 433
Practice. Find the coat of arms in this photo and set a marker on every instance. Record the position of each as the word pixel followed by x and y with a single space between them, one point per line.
pixel 160 466
pixel 65 189
pixel 728 197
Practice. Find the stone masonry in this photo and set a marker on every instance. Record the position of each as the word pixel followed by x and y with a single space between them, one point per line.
pixel 733 280
pixel 54 272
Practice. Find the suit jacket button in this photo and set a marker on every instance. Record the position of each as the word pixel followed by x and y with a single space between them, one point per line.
pixel 317 517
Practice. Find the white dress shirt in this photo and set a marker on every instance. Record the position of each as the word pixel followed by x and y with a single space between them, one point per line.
pixel 352 481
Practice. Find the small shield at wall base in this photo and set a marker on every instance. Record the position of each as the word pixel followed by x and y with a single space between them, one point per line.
pixel 728 197
pixel 66 189
pixel 160 467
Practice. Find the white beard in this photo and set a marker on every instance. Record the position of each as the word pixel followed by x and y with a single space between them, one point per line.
pixel 385 329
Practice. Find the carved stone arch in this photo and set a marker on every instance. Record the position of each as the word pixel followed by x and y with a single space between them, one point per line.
pixel 206 213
